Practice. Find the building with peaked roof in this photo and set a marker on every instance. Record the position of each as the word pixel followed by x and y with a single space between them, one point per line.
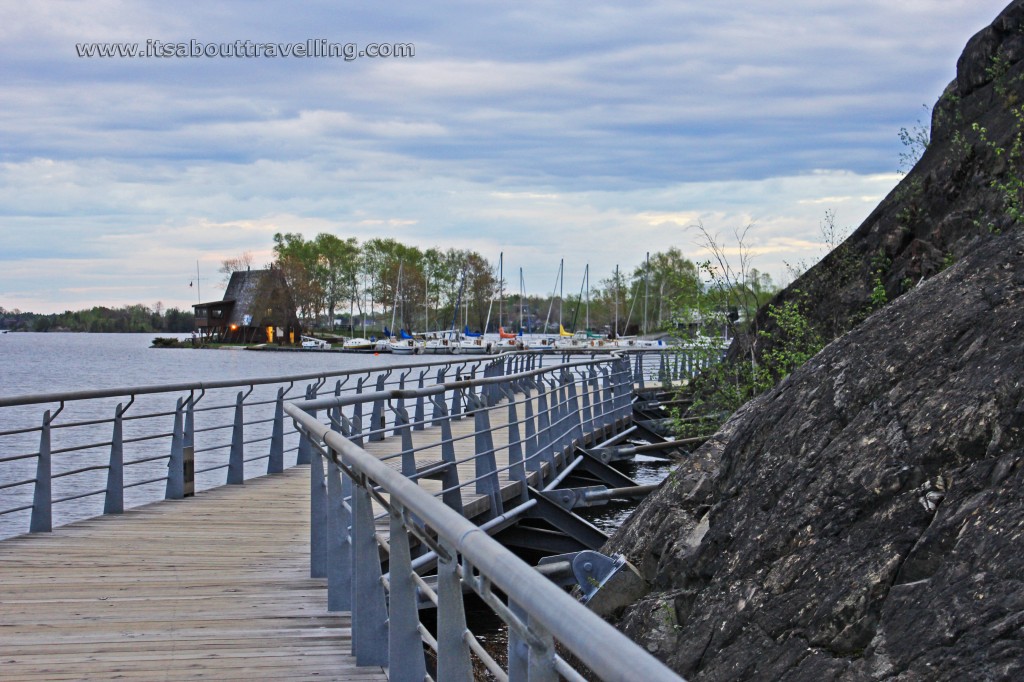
pixel 257 308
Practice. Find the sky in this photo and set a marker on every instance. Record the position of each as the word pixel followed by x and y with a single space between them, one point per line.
pixel 590 131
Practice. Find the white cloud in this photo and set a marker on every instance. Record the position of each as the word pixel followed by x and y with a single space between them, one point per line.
pixel 597 131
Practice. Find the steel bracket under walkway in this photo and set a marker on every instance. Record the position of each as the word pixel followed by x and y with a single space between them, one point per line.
pixel 562 532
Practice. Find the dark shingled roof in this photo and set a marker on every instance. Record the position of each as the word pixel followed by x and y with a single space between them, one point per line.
pixel 254 292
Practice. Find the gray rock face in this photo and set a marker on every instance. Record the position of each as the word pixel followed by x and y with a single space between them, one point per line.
pixel 865 519
pixel 952 200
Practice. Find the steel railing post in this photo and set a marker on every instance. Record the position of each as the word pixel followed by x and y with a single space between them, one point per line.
pixel 558 421
pixel 518 647
pixel 334 415
pixel 405 646
pixel 236 460
pixel 574 426
pixel 357 414
pixel 175 489
pixel 369 613
pixel 275 462
pixel 318 516
pixel 304 454
pixel 436 414
pixel 42 497
pixel 113 502
pixel 339 555
pixel 486 470
pixel 517 472
pixel 607 399
pixel 453 662
pixel 532 451
pixel 403 429
pixel 377 413
pixel 455 411
pixel 188 448
pixel 542 658
pixel 400 402
pixel 544 435
pixel 452 495
pixel 587 416
pixel 419 415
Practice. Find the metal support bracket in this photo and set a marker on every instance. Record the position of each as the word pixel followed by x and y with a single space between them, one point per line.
pixel 570 498
pixel 589 570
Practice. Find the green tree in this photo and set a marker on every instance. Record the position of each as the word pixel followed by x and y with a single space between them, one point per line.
pixel 299 262
pixel 337 265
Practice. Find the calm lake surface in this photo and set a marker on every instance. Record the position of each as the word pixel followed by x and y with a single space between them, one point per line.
pixel 42 363
pixel 38 363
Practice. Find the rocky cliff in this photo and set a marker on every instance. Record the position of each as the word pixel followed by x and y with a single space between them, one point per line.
pixel 965 188
pixel 865 518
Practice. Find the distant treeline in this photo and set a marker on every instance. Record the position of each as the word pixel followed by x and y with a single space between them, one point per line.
pixel 133 318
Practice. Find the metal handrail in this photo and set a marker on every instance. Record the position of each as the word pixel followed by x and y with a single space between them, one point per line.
pixel 484 562
pixel 78 446
pixel 79 442
pixel 60 397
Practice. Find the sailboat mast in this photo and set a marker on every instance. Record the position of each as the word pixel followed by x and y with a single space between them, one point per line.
pixel 490 301
pixel 579 301
pixel 647 288
pixel 551 303
pixel 561 290
pixel 617 293
pixel 394 304
pixel 521 293
pixel 586 278
pixel 501 288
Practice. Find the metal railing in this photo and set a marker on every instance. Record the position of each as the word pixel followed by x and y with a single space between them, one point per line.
pixel 71 455
pixel 514 459
pixel 105 450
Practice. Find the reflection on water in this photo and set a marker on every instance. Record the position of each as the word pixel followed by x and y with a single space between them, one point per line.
pixel 645 471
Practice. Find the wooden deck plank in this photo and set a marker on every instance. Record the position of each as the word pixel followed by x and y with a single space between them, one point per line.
pixel 212 587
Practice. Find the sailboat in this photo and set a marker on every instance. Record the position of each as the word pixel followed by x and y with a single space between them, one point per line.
pixel 359 344
pixel 403 343
pixel 452 341
pixel 583 339
pixel 507 341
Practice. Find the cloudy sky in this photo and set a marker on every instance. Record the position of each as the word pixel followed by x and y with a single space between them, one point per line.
pixel 593 131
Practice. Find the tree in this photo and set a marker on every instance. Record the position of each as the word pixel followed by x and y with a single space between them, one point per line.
pixel 239 263
pixel 298 261
pixel 336 270
pixel 734 286
pixel 481 288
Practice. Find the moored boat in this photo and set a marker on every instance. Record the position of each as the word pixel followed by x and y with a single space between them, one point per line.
pixel 358 344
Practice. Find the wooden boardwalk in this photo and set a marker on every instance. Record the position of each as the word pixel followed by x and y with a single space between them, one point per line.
pixel 213 587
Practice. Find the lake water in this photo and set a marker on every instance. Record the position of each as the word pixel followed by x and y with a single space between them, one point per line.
pixel 39 363
pixel 42 363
